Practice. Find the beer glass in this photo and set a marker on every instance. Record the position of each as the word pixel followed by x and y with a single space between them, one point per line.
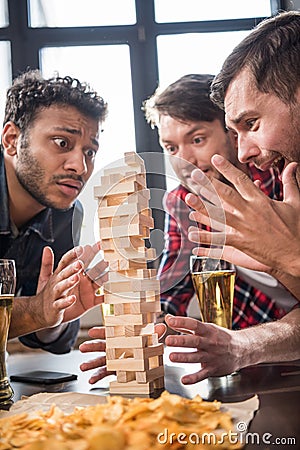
pixel 213 280
pixel 7 290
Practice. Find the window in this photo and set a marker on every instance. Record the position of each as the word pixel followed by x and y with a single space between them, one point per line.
pixel 3 13
pixel 78 13
pixel 124 49
pixel 5 74
pixel 107 69
pixel 195 10
pixel 195 53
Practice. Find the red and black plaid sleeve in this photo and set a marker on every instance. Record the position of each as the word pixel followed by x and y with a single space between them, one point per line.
pixel 251 306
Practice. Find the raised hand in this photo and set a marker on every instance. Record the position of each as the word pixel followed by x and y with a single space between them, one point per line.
pixel 266 230
pixel 54 294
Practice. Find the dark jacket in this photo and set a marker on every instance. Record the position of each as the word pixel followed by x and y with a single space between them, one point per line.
pixel 58 229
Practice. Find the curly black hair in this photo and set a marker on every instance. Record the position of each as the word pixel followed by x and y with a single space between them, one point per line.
pixel 30 92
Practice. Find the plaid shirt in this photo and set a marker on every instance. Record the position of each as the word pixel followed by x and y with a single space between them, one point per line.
pixel 250 306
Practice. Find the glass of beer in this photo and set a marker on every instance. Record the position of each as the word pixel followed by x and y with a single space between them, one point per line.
pixel 7 290
pixel 213 281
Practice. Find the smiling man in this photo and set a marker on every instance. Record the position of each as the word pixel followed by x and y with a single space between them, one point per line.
pixel 49 144
pixel 191 130
pixel 259 87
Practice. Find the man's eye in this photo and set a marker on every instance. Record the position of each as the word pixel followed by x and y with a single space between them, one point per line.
pixel 90 153
pixel 61 142
pixel 250 123
pixel 171 149
pixel 197 140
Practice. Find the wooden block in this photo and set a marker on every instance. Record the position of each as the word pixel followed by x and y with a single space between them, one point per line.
pixel 129 242
pixel 105 223
pixel 128 364
pixel 109 179
pixel 127 342
pixel 149 375
pixel 129 330
pixel 126 174
pixel 153 339
pixel 110 353
pixel 128 264
pixel 132 297
pixel 123 209
pixel 113 354
pixel 141 273
pixel 127 319
pixel 134 229
pixel 127 187
pixel 155 361
pixel 141 197
pixel 128 254
pixel 139 218
pixel 117 200
pixel 125 256
pixel 125 275
pixel 133 159
pixel 159 383
pixel 131 285
pixel 137 308
pixel 148 352
pixel 124 377
pixel 114 331
pixel 132 387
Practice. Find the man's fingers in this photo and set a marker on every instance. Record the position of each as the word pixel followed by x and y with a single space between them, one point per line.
pixel 96 345
pixel 64 302
pixel 100 361
pixel 89 253
pixel 243 184
pixel 97 333
pixel 98 273
pixel 206 237
pixel 184 323
pixel 62 287
pixel 100 374
pixel 72 255
pixel 291 191
pixel 160 329
pixel 195 377
pixel 46 268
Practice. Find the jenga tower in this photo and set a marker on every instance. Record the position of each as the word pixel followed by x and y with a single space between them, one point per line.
pixel 132 290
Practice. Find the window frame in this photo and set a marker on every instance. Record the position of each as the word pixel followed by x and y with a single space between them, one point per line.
pixel 26 43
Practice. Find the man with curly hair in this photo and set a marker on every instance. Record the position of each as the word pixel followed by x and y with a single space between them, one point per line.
pixel 49 144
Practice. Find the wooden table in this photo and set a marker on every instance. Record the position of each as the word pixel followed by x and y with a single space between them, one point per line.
pixel 277 422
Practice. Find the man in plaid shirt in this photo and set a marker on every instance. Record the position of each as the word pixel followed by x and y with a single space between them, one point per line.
pixel 191 129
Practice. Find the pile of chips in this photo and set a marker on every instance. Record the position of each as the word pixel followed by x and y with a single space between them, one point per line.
pixel 168 422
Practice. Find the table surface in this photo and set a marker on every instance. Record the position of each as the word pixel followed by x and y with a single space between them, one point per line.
pixel 277 386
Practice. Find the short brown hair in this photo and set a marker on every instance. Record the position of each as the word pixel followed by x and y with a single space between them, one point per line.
pixel 272 54
pixel 186 99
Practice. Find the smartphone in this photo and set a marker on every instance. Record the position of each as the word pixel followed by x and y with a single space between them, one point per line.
pixel 43 377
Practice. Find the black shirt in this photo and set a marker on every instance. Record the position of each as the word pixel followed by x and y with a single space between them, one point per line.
pixel 55 228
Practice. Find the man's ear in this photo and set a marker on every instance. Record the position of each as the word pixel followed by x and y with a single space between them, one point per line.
pixel 10 135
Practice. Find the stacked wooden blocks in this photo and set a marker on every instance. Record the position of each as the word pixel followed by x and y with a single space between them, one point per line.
pixel 132 291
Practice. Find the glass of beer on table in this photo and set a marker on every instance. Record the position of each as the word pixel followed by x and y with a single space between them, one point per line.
pixel 213 281
pixel 7 290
